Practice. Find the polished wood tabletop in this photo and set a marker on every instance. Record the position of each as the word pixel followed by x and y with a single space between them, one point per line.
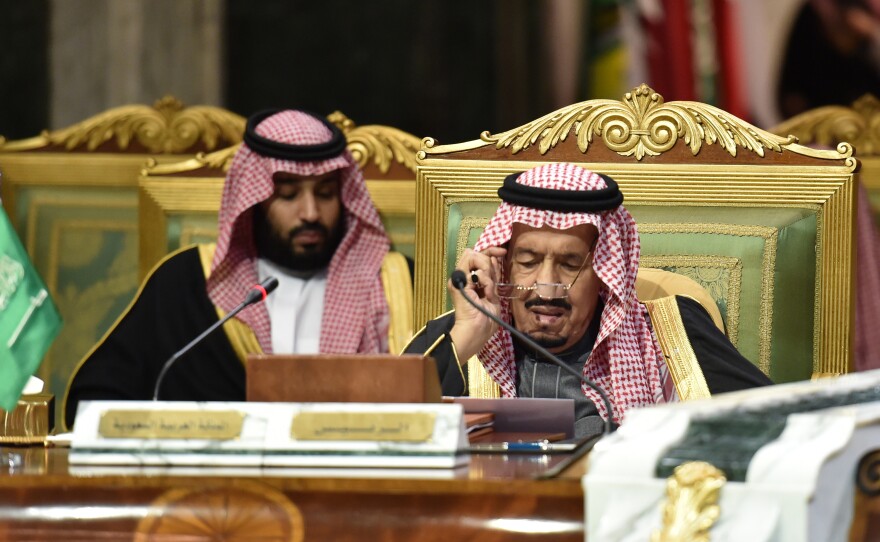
pixel 495 497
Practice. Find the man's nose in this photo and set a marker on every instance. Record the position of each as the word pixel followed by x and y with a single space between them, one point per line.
pixel 309 208
pixel 547 274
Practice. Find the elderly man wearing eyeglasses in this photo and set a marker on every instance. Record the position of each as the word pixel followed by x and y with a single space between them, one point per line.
pixel 558 261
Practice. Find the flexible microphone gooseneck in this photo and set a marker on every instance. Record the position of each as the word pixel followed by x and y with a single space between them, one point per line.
pixel 459 281
pixel 256 294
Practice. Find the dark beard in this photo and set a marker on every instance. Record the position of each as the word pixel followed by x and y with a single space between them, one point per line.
pixel 279 250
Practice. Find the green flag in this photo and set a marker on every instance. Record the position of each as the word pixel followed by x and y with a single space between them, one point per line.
pixel 29 320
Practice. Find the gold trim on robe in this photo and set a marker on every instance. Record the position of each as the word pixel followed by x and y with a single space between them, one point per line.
pixel 398 286
pixel 240 335
pixel 480 384
pixel 680 357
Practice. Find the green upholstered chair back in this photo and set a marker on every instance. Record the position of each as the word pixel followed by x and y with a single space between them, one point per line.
pixel 72 196
pixel 764 224
pixel 179 201
pixel 827 127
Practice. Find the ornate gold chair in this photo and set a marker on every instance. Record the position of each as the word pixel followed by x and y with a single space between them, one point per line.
pixel 179 201
pixel 764 224
pixel 72 196
pixel 858 124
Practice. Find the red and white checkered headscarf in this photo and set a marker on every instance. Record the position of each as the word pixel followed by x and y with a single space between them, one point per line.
pixel 355 317
pixel 626 360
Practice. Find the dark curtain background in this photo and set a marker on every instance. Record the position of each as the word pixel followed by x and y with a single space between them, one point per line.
pixel 24 68
pixel 448 69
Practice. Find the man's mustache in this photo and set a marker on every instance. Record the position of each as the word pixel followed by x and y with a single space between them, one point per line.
pixel 309 227
pixel 559 302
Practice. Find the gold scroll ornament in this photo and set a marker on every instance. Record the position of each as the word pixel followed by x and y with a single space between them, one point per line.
pixel 691 503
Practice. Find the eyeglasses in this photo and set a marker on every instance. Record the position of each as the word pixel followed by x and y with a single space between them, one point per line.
pixel 544 290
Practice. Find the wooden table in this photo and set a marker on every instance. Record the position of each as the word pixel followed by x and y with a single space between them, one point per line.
pixel 495 498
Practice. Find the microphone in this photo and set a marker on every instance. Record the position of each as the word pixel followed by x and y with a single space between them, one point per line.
pixel 257 293
pixel 459 281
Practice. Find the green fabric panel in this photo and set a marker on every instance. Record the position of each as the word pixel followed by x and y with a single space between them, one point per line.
pixel 794 266
pixel 471 213
pixel 86 249
pixel 188 229
pixel 748 250
pixel 401 230
pixel 794 301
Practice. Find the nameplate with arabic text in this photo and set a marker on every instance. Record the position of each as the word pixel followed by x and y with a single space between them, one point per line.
pixel 171 424
pixel 370 426
pixel 262 435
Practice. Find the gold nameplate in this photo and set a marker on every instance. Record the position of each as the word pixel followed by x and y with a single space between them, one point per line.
pixel 171 424
pixel 377 426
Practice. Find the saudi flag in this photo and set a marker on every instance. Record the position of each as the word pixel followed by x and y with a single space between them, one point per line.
pixel 29 320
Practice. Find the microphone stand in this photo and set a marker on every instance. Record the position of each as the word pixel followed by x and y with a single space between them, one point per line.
pixel 459 281
pixel 256 294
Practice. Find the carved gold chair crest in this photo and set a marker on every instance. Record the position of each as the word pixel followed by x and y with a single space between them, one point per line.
pixel 72 196
pixel 764 224
pixel 857 124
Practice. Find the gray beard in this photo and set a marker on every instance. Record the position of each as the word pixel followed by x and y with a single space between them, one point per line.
pixel 549 343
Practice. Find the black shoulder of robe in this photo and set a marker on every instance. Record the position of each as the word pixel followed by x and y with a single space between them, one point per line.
pixel 724 368
pixel 172 309
pixel 436 334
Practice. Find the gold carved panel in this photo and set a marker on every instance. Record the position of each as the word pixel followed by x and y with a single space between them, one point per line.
pixel 691 507
pixel 165 128
pixel 857 124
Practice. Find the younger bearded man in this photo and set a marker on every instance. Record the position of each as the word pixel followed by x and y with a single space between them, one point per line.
pixel 295 207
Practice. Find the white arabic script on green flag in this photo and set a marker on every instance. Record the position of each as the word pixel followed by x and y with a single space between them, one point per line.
pixel 29 320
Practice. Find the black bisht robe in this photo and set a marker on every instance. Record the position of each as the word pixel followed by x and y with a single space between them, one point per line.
pixel 724 368
pixel 172 309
